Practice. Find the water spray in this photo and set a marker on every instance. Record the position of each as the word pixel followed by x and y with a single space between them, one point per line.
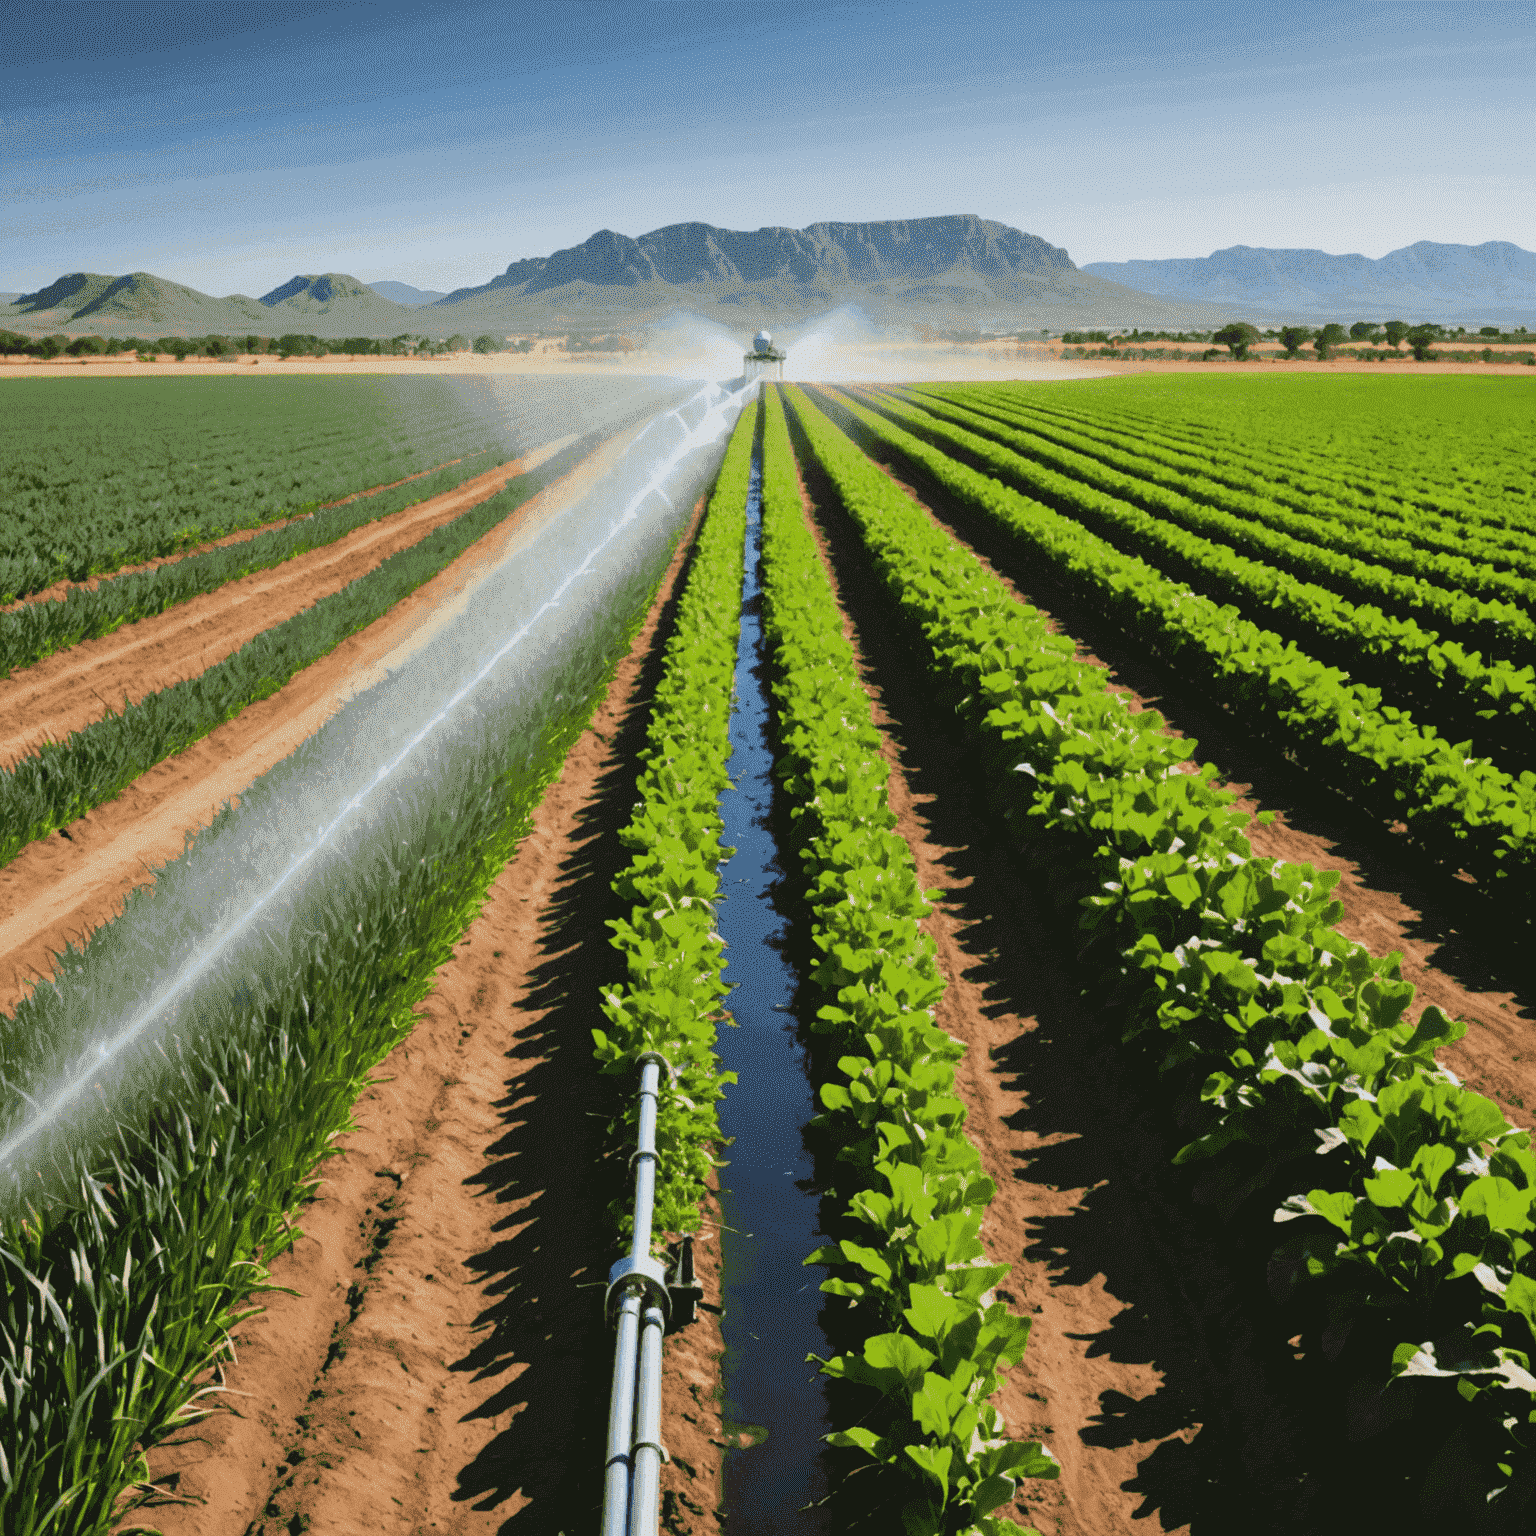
pixel 719 410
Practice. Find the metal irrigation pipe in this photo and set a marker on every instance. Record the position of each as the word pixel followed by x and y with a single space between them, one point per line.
pixel 639 1303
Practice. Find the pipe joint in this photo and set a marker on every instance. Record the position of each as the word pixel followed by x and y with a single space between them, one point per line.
pixel 655 1058
pixel 644 1275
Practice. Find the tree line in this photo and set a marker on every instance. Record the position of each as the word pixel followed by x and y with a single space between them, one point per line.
pixel 1239 337
pixel 293 344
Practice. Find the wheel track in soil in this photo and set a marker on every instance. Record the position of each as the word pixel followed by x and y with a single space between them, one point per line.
pixel 72 688
pixel 445 1367
pixel 60 889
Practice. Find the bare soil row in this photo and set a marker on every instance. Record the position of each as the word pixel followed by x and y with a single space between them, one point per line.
pixel 63 887
pixel 69 690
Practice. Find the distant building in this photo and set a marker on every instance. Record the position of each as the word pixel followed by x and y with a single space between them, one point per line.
pixel 764 361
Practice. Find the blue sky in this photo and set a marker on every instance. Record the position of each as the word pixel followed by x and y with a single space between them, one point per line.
pixel 231 145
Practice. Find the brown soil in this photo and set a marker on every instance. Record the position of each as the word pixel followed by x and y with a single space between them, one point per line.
pixel 1385 921
pixel 65 692
pixel 64 887
pixel 61 589
pixel 444 1365
pixel 1060 1382
pixel 1498 1056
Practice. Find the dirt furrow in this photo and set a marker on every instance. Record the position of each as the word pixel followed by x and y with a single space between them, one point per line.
pixel 1062 1381
pixel 444 1365
pixel 61 589
pixel 1381 908
pixel 70 689
pixel 63 887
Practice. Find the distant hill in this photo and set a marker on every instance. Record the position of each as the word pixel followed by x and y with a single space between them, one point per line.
pixel 331 305
pixel 403 293
pixel 1494 282
pixel 956 271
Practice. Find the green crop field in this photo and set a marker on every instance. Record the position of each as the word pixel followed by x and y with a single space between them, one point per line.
pixel 1333 576
pixel 100 473
pixel 1271 1035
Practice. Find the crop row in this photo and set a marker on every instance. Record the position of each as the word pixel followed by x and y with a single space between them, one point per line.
pixel 1462 809
pixel 34 630
pixel 672 952
pixel 1453 687
pixel 1202 477
pixel 98 474
pixel 64 780
pixel 1440 444
pixel 934 1335
pixel 118 1294
pixel 1505 627
pixel 1282 1038
pixel 1341 475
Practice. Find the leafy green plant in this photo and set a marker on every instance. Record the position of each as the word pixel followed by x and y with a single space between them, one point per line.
pixel 938 1338
pixel 1459 807
pixel 1369 558
pixel 673 955
pixel 1283 1038
pixel 1455 689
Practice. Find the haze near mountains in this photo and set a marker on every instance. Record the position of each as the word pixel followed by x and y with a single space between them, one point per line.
pixel 1494 282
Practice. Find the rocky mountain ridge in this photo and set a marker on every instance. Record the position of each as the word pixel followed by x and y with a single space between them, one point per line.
pixel 957 271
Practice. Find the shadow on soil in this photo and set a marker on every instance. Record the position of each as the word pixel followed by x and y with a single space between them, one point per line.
pixel 1480 944
pixel 543 1280
pixel 1237 1436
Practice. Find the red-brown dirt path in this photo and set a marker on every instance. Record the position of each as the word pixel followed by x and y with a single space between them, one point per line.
pixel 69 690
pixel 62 589
pixel 64 887
pixel 424 1378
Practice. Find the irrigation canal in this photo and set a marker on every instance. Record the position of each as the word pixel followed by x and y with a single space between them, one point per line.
pixel 777 1483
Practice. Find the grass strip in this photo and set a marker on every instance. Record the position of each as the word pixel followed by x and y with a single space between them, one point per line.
pixel 1411 1272
pixel 672 953
pixel 35 630
pixel 118 1297
pixel 64 780
pixel 1461 809
pixel 936 1338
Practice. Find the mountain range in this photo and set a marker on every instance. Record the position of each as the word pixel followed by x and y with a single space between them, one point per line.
pixel 1494 282
pixel 957 272
pixel 329 304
